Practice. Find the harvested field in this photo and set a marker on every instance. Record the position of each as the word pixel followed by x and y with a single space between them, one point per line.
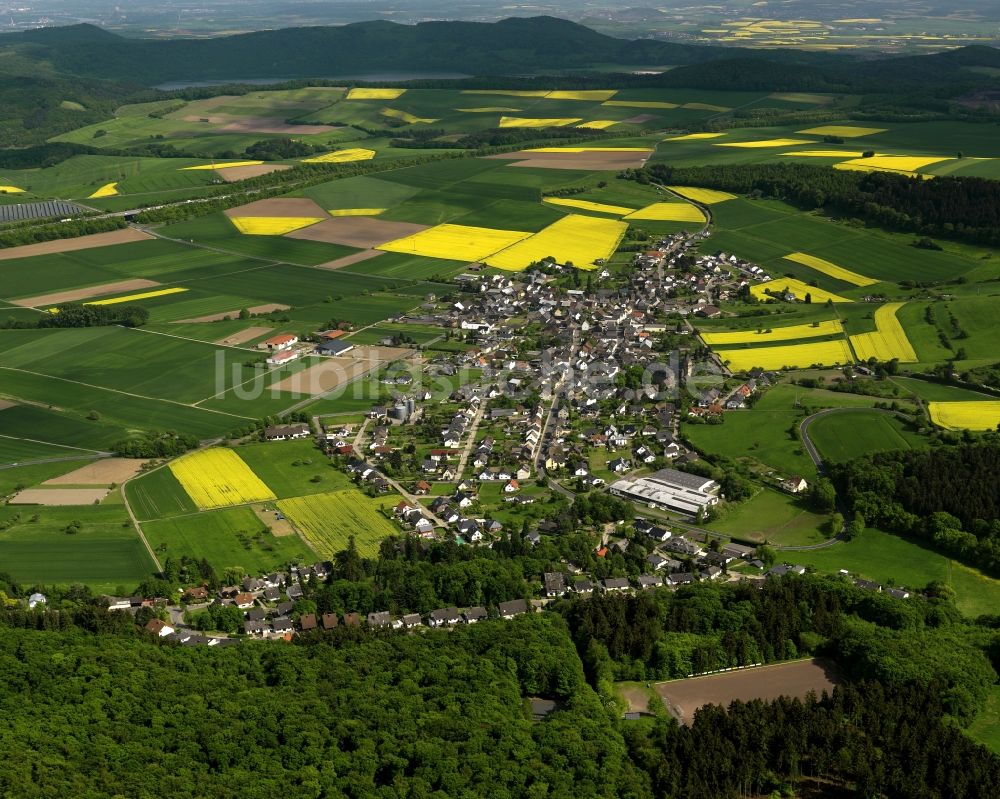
pixel 73 295
pixel 243 336
pixel 684 697
pixel 332 373
pixel 357 231
pixel 288 207
pixel 216 317
pixel 273 125
pixel 592 161
pixel 104 472
pixel 123 236
pixel 244 172
pixel 60 496
pixel 354 258
pixel 5 404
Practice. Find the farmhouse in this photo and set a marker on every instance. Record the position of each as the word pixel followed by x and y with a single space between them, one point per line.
pixel 286 432
pixel 670 489
pixel 282 357
pixel 282 341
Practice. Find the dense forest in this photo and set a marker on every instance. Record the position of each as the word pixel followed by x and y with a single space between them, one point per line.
pixel 359 712
pixel 961 208
pixel 947 496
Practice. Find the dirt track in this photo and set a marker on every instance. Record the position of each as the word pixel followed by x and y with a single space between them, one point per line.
pixel 123 236
pixel 72 295
pixel 357 231
pixel 100 473
pixel 796 679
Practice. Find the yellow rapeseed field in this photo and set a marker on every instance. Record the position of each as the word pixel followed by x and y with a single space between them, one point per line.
pixel 897 163
pixel 889 339
pixel 455 242
pixel 669 212
pixel 695 136
pixel 639 104
pixel 704 196
pixel 532 122
pixel 847 166
pixel 215 478
pixel 586 205
pixel 588 150
pixel 789 333
pixel 11 190
pixel 594 95
pixel 966 415
pixel 830 269
pixel 794 356
pixel 706 107
pixel 356 211
pixel 823 154
pixel 226 165
pixel 580 240
pixel 133 297
pixel 766 143
pixel 406 116
pixel 598 124
pixel 341 156
pixel 271 225
pixel 107 190
pixel 844 131
pixel 374 94
pixel 796 287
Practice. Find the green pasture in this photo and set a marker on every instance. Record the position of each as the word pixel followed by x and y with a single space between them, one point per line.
pixel 985 728
pixel 105 554
pixel 288 467
pixel 227 537
pixel 844 436
pixel 14 478
pixel 158 494
pixel 779 519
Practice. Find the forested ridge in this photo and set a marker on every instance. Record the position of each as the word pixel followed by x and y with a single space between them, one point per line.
pixel 953 207
pixel 949 496
pixel 95 707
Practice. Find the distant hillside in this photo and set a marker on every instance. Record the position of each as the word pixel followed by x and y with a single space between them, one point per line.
pixel 513 46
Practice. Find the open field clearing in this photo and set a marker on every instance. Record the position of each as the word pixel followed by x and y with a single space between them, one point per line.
pixel 538 122
pixel 844 131
pixel 763 143
pixel 844 436
pixel 327 521
pixel 214 478
pixel 216 165
pixel 766 683
pixel 889 339
pixel 104 554
pixel 456 242
pixel 972 415
pixel 104 472
pixel 793 356
pixel 586 205
pixel 59 496
pixel 342 156
pixel 669 212
pixel 227 537
pixel 580 240
pixel 145 295
pixel 74 295
pixel 357 231
pixel 218 317
pixel 827 268
pixel 243 336
pixel 773 516
pixel 123 236
pixel 781 284
pixel 374 94
pixel 703 196
pixel 107 190
pixel 830 327
pixel 245 172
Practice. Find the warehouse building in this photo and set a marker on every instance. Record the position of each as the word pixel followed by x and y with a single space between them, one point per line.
pixel 671 490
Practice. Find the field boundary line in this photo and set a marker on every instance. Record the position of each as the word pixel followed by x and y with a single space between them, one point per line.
pixel 123 393
pixel 100 452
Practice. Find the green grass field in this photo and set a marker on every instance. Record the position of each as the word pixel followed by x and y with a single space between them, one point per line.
pixel 328 520
pixel 26 476
pixel 158 494
pixel 288 467
pixel 772 516
pixel 106 554
pixel 841 437
pixel 228 537
pixel 985 728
